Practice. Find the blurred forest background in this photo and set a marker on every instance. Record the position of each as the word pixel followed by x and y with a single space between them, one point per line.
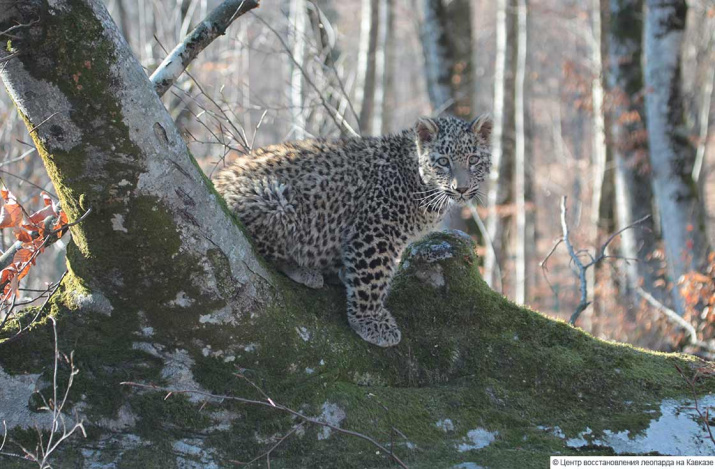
pixel 608 102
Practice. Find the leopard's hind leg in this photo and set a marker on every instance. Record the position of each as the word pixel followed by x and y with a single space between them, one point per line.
pixel 309 278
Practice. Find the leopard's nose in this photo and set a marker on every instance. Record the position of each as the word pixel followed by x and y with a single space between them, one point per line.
pixel 462 190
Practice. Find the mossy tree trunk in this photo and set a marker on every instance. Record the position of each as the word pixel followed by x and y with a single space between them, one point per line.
pixel 156 228
pixel 164 288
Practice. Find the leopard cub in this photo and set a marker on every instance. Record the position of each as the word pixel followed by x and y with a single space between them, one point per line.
pixel 347 208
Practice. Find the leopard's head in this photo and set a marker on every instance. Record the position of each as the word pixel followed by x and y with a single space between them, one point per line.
pixel 454 158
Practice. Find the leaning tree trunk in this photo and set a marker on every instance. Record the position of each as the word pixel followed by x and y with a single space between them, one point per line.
pixel 671 154
pixel 163 288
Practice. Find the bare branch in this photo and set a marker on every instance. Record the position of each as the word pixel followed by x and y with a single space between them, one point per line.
pixel 338 119
pixel 213 26
pixel 705 417
pixel 59 431
pixel 575 256
pixel 676 319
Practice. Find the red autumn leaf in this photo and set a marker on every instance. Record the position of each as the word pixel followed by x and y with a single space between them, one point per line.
pixel 47 199
pixel 698 277
pixel 6 274
pixel 11 213
pixel 23 236
pixel 39 216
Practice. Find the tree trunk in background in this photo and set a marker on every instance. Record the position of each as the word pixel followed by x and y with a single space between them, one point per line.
pixel 365 84
pixel 299 20
pixel 383 63
pixel 520 157
pixel 389 103
pixel 671 155
pixel 699 61
pixel 599 152
pixel 634 197
pixel 501 176
pixel 446 36
pixel 435 47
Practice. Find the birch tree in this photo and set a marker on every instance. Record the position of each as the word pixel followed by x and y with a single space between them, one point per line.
pixel 501 178
pixel 634 197
pixel 520 156
pixel 299 19
pixel 671 155
pixel 366 78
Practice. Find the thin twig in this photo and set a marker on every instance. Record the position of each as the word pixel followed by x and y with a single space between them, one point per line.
pixel 273 405
pixel 576 255
pixel 339 120
pixel 705 417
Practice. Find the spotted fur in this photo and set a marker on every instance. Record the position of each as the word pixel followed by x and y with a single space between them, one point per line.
pixel 349 207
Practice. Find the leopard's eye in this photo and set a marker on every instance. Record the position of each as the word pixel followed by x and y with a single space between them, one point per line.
pixel 443 161
pixel 474 159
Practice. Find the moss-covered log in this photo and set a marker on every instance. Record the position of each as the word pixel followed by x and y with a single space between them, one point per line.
pixel 476 379
pixel 164 288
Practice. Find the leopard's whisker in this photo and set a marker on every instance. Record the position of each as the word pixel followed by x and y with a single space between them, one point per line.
pixel 431 199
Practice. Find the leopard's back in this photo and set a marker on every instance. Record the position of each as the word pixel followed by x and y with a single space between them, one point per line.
pixel 298 199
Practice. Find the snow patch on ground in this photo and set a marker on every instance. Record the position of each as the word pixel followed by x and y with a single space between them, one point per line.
pixel 677 432
pixel 477 439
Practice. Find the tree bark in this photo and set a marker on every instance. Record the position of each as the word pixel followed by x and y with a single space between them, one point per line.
pixel 671 155
pixel 366 78
pixel 520 156
pixel 383 62
pixel 634 196
pixel 163 288
pixel 299 20
pixel 446 36
pixel 501 178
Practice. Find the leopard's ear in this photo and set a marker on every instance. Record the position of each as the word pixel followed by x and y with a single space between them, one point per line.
pixel 482 127
pixel 427 129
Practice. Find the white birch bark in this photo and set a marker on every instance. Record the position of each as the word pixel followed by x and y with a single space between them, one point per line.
pixel 381 66
pixel 520 156
pixel 213 26
pixel 298 16
pixel 670 154
pixel 366 70
pixel 598 143
pixel 490 260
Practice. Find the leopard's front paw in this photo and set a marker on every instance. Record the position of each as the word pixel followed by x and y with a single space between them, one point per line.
pixel 380 329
